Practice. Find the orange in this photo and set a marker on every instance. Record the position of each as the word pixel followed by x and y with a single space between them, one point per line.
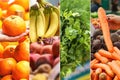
pixel 23 79
pixel 4 44
pixel 9 51
pixel 0 13
pixel 0 24
pixel 21 70
pixel 6 66
pixel 26 16
pixel 22 51
pixel 13 26
pixel 1 51
pixel 15 8
pixel 4 4
pixel 23 3
pixel 7 77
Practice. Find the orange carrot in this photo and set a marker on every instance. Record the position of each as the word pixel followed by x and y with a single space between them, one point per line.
pixel 102 76
pixel 105 53
pixel 98 71
pixel 105 28
pixel 117 50
pixel 101 58
pixel 118 62
pixel 115 56
pixel 115 68
pixel 115 78
pixel 94 61
pixel 95 77
pixel 108 77
pixel 104 67
pixel 92 75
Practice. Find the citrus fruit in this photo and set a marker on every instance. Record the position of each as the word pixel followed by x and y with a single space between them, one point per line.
pixel 13 26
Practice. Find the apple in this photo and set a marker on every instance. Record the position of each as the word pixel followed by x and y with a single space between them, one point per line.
pixel 36 47
pixel 33 59
pixel 47 49
pixel 56 48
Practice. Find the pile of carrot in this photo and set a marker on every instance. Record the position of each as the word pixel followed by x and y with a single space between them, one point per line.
pixel 106 65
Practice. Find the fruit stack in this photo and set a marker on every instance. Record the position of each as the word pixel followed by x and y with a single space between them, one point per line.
pixel 45 41
pixel 14 42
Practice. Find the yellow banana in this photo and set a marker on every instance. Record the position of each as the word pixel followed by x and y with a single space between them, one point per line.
pixel 40 24
pixel 53 25
pixel 47 17
pixel 33 36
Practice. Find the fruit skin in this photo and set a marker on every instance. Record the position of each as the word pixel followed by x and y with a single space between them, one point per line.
pixel 26 16
pixel 6 66
pixel 56 48
pixel 36 47
pixel 21 70
pixel 23 3
pixel 40 24
pixel 33 59
pixel 53 25
pixel 47 20
pixel 13 26
pixel 22 51
pixel 13 8
pixel 7 77
pixel 47 49
pixel 33 34
pixel 9 51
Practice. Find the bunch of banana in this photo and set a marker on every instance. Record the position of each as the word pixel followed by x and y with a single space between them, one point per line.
pixel 44 22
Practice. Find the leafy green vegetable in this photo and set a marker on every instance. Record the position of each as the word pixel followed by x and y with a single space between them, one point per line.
pixel 74 34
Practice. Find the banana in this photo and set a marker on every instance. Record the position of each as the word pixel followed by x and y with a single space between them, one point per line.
pixel 40 24
pixel 53 25
pixel 47 19
pixel 33 36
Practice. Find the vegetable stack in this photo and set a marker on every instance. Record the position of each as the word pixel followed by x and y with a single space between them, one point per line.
pixel 106 64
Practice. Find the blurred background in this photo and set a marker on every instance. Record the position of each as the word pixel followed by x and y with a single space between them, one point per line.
pixel 111 6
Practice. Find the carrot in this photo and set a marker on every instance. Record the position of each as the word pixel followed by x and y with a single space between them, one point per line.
pixel 118 62
pixel 105 28
pixel 102 76
pixel 98 71
pixel 104 67
pixel 117 50
pixel 115 56
pixel 115 78
pixel 115 68
pixel 94 61
pixel 108 77
pixel 105 53
pixel 95 77
pixel 101 58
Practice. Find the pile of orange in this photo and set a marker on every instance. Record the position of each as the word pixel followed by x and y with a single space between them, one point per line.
pixel 14 56
pixel 14 61
pixel 8 9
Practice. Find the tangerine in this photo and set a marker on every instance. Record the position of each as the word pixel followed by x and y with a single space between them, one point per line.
pixel 7 77
pixel 13 26
pixel 22 51
pixel 23 3
pixel 21 70
pixel 6 66
pixel 1 51
pixel 9 51
pixel 14 8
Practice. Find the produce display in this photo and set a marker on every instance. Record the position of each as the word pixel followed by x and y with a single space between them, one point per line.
pixel 44 41
pixel 105 53
pixel 74 34
pixel 14 41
